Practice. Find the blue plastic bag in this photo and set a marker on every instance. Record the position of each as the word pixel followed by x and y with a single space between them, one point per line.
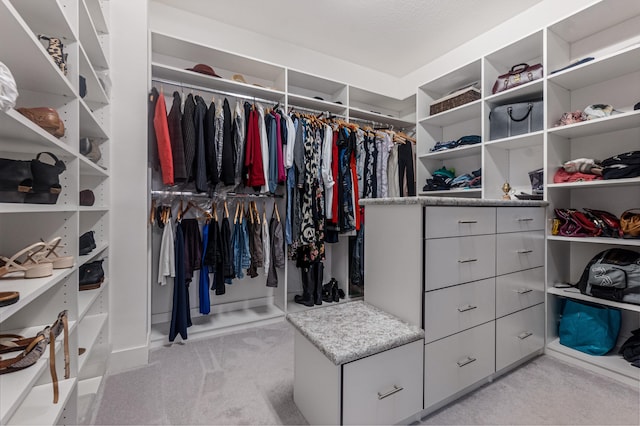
pixel 591 329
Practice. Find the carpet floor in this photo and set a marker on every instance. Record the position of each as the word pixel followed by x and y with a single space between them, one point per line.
pixel 246 378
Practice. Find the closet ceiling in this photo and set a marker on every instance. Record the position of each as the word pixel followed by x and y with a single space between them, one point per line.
pixel 391 36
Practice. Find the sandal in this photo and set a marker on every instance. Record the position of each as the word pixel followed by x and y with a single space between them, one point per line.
pixel 8 298
pixel 30 267
pixel 48 254
pixel 29 356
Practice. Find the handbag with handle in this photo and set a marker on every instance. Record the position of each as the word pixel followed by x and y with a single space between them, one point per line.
pixel 630 223
pixel 517 75
pixel 15 180
pixel 46 180
pixel 515 119
pixel 587 328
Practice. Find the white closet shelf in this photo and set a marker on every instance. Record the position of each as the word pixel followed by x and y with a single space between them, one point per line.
pixel 626 120
pixel 297 79
pixel 96 94
pixel 459 152
pixel 93 209
pixel 242 90
pixel 96 252
pixel 87 391
pixel 31 66
pixel 574 293
pixel 97 13
pixel 596 183
pixel 606 67
pixel 518 93
pixel 36 208
pixel 455 115
pixel 612 362
pixel 14 387
pixel 597 240
pixel 316 104
pixel 458 192
pixel 46 17
pixel 90 39
pixel 357 113
pixel 516 142
pixel 89 330
pixel 16 129
pixel 38 407
pixel 90 126
pixel 29 289
pixel 217 323
pixel 87 298
pixel 88 167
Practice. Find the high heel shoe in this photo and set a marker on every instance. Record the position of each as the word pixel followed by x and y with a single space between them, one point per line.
pixel 31 267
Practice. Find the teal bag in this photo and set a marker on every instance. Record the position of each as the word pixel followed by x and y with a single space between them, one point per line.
pixel 592 329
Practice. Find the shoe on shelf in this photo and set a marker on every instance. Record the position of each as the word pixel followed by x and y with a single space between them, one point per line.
pixel 8 298
pixel 47 118
pixel 87 243
pixel 91 275
pixel 48 255
pixel 31 267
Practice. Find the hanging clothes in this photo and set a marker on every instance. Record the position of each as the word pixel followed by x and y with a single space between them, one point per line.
pixel 346 218
pixel 180 312
pixel 264 147
pixel 166 261
pixel 252 271
pixel 281 132
pixel 200 160
pixel 163 141
pixel 151 130
pixel 239 134
pixel 298 180
pixel 189 135
pixel 335 171
pixel 266 244
pixel 272 147
pixel 192 247
pixel 210 144
pixel 240 244
pixel 405 170
pixel 253 158
pixel 277 252
pixel 392 172
pixel 360 160
pixel 327 175
pixel 227 172
pixel 213 257
pixel 219 138
pixel 174 121
pixel 227 251
pixel 203 283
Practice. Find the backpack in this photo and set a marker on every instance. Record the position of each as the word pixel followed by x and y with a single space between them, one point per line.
pixel 612 274
pixel 621 166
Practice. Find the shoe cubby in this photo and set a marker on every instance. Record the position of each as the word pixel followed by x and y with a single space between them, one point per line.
pixel 316 93
pixel 95 45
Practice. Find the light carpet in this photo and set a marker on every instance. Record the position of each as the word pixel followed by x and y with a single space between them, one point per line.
pixel 246 378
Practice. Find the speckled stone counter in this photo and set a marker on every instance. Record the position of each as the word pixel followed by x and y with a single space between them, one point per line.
pixel 349 331
pixel 452 201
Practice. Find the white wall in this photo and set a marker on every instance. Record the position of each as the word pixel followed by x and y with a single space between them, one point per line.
pixel 129 300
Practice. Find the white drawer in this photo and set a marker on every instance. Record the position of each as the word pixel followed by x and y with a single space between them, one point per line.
pixel 450 261
pixel 459 221
pixel 518 251
pixel 519 290
pixel 515 219
pixel 458 361
pixel 383 388
pixel 519 335
pixel 453 309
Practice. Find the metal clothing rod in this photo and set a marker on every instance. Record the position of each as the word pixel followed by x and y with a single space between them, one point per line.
pixel 210 90
pixel 158 193
pixel 293 108
pixel 375 123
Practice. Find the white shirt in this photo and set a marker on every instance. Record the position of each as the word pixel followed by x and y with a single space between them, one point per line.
pixel 167 260
pixel 327 176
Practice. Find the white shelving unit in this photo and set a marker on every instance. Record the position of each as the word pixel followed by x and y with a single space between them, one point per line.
pixel 26 396
pixel 606 31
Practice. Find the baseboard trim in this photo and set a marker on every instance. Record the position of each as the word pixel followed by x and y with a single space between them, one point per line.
pixel 126 359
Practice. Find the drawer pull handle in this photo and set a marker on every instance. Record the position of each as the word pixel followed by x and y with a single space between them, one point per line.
pixel 525 251
pixel 525 219
pixel 467 360
pixel 467 260
pixel 395 389
pixel 467 221
pixel 466 308
pixel 524 290
pixel 524 335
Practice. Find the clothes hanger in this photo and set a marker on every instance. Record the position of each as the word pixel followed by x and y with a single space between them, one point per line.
pixel 226 210
pixel 275 210
pixel 152 214
pixel 241 212
pixel 235 216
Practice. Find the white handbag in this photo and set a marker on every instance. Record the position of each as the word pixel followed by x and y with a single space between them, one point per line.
pixel 8 89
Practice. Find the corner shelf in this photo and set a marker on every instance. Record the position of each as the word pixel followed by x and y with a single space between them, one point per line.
pixel 357 113
pixel 90 126
pixel 96 252
pixel 315 104
pixel 90 38
pixel 15 129
pixel 596 183
pixel 597 240
pixel 451 116
pixel 38 408
pixel 90 329
pixel 626 120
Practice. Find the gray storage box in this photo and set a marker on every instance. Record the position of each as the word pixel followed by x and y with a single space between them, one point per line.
pixel 515 119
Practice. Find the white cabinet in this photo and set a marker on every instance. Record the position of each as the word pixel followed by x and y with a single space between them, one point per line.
pixel 519 335
pixel 26 396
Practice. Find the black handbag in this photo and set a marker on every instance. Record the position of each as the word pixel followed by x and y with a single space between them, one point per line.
pixel 15 180
pixel 515 119
pixel 46 180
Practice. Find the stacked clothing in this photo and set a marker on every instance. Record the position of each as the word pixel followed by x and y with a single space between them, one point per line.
pixel 465 140
pixel 445 179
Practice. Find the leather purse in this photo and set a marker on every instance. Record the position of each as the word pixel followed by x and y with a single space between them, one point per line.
pixel 45 117
pixel 630 223
pixel 46 180
pixel 515 119
pixel 517 75
pixel 15 180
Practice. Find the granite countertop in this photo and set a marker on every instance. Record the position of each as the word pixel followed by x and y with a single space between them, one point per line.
pixel 452 201
pixel 349 331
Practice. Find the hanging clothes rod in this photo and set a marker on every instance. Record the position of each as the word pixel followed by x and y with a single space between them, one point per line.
pixel 210 90
pixel 157 193
pixel 375 123
pixel 294 108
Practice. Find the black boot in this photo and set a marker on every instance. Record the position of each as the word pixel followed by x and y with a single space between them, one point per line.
pixel 327 292
pixel 306 299
pixel 318 273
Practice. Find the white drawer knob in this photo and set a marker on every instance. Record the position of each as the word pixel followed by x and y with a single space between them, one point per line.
pixel 395 389
pixel 524 335
pixel 524 290
pixel 467 360
pixel 525 251
pixel 467 221
pixel 466 308
pixel 467 260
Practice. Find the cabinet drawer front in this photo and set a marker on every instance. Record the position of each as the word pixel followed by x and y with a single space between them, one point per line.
pixel 383 388
pixel 453 363
pixel 450 261
pixel 459 221
pixel 514 219
pixel 519 290
pixel 453 309
pixel 519 335
pixel 519 250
